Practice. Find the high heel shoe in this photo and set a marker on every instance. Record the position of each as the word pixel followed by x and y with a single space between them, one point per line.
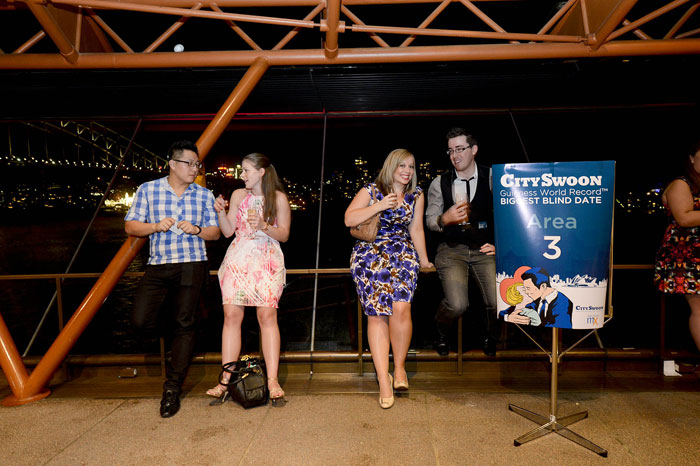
pixel 401 386
pixel 386 403
pixel 276 394
pixel 220 388
pixel 217 391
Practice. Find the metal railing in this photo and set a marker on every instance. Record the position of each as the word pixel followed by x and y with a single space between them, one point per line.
pixel 311 356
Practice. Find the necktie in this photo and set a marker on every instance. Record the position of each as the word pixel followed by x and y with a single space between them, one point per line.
pixel 469 194
pixel 543 309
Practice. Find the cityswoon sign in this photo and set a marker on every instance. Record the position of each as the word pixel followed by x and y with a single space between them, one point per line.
pixel 553 230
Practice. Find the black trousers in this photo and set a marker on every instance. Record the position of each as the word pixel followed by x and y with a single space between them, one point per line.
pixel 179 285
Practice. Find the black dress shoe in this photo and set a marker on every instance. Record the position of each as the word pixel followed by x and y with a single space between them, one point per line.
pixel 441 346
pixel 170 403
pixel 489 347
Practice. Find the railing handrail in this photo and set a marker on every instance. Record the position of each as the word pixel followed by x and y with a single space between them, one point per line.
pixel 328 271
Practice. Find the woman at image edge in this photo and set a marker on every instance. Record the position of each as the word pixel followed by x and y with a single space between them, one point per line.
pixel 385 271
pixel 677 267
pixel 252 272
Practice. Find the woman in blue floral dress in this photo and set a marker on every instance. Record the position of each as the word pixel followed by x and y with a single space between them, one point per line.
pixel 385 271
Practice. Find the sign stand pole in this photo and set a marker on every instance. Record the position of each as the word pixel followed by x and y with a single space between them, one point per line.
pixel 554 424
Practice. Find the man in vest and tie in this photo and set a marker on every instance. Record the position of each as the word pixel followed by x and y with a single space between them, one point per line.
pixel 460 208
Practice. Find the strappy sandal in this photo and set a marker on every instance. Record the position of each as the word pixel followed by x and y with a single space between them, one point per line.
pixel 217 391
pixel 276 394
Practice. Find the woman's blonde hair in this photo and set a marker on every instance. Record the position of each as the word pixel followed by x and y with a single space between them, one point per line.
pixel 513 296
pixel 385 179
pixel 270 185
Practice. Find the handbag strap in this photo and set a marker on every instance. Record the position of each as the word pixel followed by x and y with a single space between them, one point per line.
pixel 238 374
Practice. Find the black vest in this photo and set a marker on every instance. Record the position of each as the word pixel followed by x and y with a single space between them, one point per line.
pixel 480 217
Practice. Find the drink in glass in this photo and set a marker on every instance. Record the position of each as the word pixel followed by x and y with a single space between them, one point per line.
pixel 461 198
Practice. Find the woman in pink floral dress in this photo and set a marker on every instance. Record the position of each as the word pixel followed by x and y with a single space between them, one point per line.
pixel 252 272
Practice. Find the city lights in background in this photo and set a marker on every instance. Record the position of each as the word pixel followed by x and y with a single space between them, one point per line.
pixel 339 186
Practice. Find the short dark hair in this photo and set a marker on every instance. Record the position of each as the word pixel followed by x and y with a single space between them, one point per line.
pixel 178 146
pixel 457 132
pixel 538 275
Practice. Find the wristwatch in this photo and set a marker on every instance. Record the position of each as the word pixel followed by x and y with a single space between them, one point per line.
pixel 200 230
pixel 439 222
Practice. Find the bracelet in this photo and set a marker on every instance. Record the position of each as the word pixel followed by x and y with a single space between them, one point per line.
pixel 200 230
pixel 267 225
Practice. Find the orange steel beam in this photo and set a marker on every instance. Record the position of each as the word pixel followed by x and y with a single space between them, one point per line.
pixel 638 32
pixel 617 14
pixel 79 29
pixel 333 25
pixel 105 27
pixel 676 27
pixel 13 367
pixel 54 31
pixel 95 27
pixel 231 106
pixel 264 3
pixel 290 35
pixel 30 388
pixel 351 56
pixel 354 56
pixel 355 19
pixel 692 33
pixel 427 21
pixel 170 31
pixel 241 33
pixel 165 10
pixel 510 36
pixel 482 16
pixel 553 20
pixel 646 18
pixel 27 45
pixel 584 18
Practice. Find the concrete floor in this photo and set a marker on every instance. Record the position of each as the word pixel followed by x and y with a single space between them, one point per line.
pixel 640 418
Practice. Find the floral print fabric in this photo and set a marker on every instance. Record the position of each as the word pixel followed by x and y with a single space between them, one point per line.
pixel 677 268
pixel 386 270
pixel 252 272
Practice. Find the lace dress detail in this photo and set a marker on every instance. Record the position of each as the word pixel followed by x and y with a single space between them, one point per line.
pixel 252 272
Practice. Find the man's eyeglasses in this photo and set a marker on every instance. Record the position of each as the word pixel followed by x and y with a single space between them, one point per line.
pixel 457 150
pixel 191 163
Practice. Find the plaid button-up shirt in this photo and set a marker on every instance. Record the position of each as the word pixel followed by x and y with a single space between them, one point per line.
pixel 156 200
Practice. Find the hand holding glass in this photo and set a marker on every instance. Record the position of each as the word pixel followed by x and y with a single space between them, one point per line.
pixel 461 198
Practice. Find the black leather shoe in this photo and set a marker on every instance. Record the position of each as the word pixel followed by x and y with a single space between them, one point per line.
pixel 489 347
pixel 441 346
pixel 170 403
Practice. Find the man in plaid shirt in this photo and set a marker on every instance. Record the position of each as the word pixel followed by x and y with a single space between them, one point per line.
pixel 178 216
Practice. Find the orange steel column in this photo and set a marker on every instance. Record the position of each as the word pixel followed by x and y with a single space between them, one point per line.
pixel 12 364
pixel 231 106
pixel 332 24
pixel 27 389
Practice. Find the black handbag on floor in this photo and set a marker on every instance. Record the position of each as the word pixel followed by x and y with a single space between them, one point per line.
pixel 247 384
